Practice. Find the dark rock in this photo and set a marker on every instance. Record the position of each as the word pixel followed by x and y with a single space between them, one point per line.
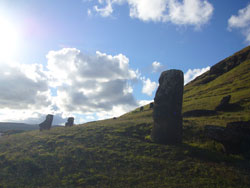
pixel 151 105
pixel 141 108
pixel 167 114
pixel 214 132
pixel 224 103
pixel 46 124
pixel 199 113
pixel 70 122
pixel 235 137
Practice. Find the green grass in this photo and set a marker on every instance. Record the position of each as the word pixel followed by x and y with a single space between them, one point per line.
pixel 119 152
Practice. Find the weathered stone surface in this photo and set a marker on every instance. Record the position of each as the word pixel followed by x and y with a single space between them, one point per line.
pixel 167 114
pixel 224 103
pixel 199 113
pixel 46 124
pixel 70 122
pixel 235 137
pixel 151 105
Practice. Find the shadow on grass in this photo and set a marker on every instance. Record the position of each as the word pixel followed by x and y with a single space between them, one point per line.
pixel 207 155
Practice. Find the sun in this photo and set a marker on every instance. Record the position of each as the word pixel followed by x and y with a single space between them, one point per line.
pixel 9 39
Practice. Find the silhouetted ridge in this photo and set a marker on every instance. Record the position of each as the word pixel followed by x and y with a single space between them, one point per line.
pixel 223 66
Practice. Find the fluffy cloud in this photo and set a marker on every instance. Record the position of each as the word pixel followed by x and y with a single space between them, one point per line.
pixel 193 73
pixel 107 10
pixel 190 12
pixel 148 10
pixel 25 95
pixel 148 86
pixel 157 67
pixel 241 21
pixel 75 84
pixel 186 12
pixel 93 84
pixel 23 86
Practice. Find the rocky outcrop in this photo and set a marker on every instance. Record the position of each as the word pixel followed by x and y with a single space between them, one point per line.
pixel 235 137
pixel 46 124
pixel 167 128
pixel 70 122
pixel 223 67
pixel 230 62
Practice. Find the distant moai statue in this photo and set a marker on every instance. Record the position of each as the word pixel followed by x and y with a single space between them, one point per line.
pixel 141 108
pixel 151 105
pixel 167 128
pixel 224 103
pixel 70 122
pixel 46 124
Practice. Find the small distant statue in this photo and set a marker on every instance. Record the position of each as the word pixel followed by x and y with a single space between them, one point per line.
pixel 151 105
pixel 224 103
pixel 46 124
pixel 141 109
pixel 70 122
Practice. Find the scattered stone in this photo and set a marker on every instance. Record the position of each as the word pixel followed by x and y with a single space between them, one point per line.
pixel 70 122
pixel 235 137
pixel 141 109
pixel 151 105
pixel 224 103
pixel 199 113
pixel 46 124
pixel 167 128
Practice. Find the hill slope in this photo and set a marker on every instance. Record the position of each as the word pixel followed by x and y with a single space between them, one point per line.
pixel 6 126
pixel 119 153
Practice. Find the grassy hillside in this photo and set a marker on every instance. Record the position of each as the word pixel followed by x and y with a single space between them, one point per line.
pixel 119 153
pixel 6 126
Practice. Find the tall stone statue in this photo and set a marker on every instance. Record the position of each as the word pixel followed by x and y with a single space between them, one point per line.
pixel 167 114
pixel 70 122
pixel 46 124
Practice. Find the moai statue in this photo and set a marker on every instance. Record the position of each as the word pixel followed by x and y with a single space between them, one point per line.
pixel 70 122
pixel 224 103
pixel 167 128
pixel 46 124
pixel 141 108
pixel 151 105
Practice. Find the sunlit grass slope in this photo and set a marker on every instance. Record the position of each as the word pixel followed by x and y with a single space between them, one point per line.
pixel 119 153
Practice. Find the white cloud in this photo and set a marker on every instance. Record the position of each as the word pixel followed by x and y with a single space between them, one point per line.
pixel 148 86
pixel 107 10
pixel 23 86
pixel 186 12
pixel 75 84
pixel 91 84
pixel 241 21
pixel 157 67
pixel 148 10
pixel 193 73
pixel 190 12
pixel 144 102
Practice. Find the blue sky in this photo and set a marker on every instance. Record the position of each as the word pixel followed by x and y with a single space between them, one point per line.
pixel 95 59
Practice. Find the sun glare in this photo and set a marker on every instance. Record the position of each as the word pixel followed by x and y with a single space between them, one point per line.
pixel 8 39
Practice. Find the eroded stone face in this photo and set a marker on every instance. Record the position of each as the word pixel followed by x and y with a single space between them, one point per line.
pixel 167 114
pixel 46 124
pixel 70 122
